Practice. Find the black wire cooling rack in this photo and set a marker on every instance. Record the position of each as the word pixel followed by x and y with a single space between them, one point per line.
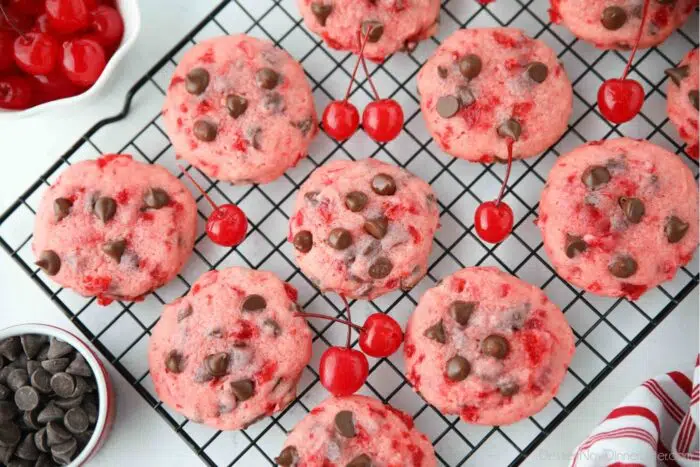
pixel 606 329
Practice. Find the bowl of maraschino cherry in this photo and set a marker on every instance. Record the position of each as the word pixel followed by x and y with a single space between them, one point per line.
pixel 56 52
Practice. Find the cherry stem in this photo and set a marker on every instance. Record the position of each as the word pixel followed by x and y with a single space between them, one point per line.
pixel 201 190
pixel 347 310
pixel 509 144
pixel 369 78
pixel 639 38
pixel 363 42
pixel 336 320
pixel 12 23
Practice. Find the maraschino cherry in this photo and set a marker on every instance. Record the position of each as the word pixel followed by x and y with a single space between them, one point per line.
pixel 227 224
pixel 382 119
pixel 620 100
pixel 493 220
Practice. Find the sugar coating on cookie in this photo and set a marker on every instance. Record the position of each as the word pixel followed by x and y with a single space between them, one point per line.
pixel 487 346
pixel 240 109
pixel 356 431
pixel 482 85
pixel 114 228
pixel 619 216
pixel 362 229
pixel 614 24
pixel 682 93
pixel 232 350
pixel 391 25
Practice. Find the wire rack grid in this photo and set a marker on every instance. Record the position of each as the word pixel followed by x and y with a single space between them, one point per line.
pixel 606 330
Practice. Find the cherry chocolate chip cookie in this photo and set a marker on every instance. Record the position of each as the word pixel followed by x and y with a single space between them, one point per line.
pixel 682 95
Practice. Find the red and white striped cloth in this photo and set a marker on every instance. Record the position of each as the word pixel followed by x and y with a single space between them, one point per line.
pixel 657 424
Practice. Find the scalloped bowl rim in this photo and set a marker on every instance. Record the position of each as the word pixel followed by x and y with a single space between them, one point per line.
pixel 132 24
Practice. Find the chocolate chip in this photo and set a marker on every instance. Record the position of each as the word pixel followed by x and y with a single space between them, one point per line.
pixel 345 423
pixel 623 266
pixel 380 268
pixel 447 106
pixel 633 208
pixel 470 66
pixel 613 18
pixel 273 102
pixel 217 364
pixel 49 262
pixel 41 440
pixel 115 249
pixel 61 208
pixel 272 327
pixel 339 239
pixel 27 398
pixel 461 311
pixel 457 368
pixel 304 125
pixel 510 129
pixel 56 433
pixel 64 452
pixel 79 367
pixel 321 12
pixel 495 346
pixel 4 392
pixel 356 201
pixel 63 384
pixel 574 245
pixel 254 304
pixel 236 105
pixel 196 81
pixel 173 362
pixel 17 378
pixel 267 78
pixel 9 434
pixel 105 208
pixel 26 449
pixel 537 71
pixel 363 460
pixel 436 332
pixel 678 74
pixel 184 312
pixel 384 185
pixel 72 402
pixel 204 130
pixel 58 348
pixel 156 198
pixel 377 227
pixel 30 420
pixel 7 411
pixel 373 29
pixel 288 457
pixel 255 137
pixel 303 241
pixel 41 380
pixel 693 96
pixel 76 420
pixel 44 460
pixel 6 454
pixel 675 229
pixel 465 96
pixel 10 348
pixel 442 72
pixel 32 344
pixel 243 389
pixel 90 408
pixel 50 413
pixel 595 176
pixel 55 365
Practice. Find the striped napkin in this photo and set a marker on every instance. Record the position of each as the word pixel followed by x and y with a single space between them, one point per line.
pixel 656 424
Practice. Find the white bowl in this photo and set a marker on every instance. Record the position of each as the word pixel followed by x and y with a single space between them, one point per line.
pixel 105 391
pixel 129 10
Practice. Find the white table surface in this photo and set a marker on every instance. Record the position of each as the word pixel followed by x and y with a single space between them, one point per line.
pixel 139 436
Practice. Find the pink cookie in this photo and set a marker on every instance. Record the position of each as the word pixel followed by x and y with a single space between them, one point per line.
pixel 362 229
pixel 356 431
pixel 481 85
pixel 614 24
pixel 231 351
pixel 240 109
pixel 619 216
pixel 114 228
pixel 394 25
pixel 682 94
pixel 487 346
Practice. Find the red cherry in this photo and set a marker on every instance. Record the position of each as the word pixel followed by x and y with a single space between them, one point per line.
pixel 381 335
pixel 7 51
pixel 26 7
pixel 52 87
pixel 67 16
pixel 15 93
pixel 83 61
pixel 343 371
pixel 620 100
pixel 227 225
pixel 107 25
pixel 382 120
pixel 340 120
pixel 36 53
pixel 17 23
pixel 493 221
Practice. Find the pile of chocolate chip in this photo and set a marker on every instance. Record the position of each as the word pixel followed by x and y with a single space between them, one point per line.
pixel 48 401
